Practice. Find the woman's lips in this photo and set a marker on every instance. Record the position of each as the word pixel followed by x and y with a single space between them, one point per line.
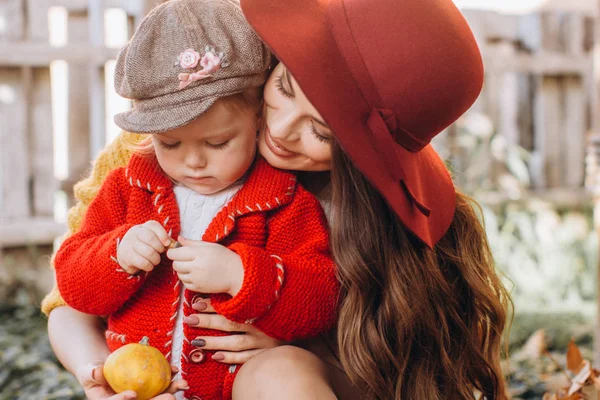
pixel 276 148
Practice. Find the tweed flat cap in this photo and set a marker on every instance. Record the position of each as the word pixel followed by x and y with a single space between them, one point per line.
pixel 185 55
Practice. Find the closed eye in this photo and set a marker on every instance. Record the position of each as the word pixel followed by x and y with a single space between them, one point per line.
pixel 283 90
pixel 168 146
pixel 218 146
pixel 318 136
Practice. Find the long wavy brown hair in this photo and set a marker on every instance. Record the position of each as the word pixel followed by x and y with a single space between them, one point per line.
pixel 414 323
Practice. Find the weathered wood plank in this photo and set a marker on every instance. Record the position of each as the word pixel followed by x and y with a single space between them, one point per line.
pixel 41 144
pixel 30 231
pixel 574 130
pixel 492 25
pixel 574 34
pixel 508 108
pixel 41 55
pixel 525 109
pixel 97 109
pixel 551 31
pixel 541 63
pixel 14 169
pixel 13 20
pixel 37 20
pixel 79 102
pixel 546 169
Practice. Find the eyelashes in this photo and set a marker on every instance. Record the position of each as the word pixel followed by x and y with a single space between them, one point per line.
pixel 282 90
pixel 317 135
pixel 168 146
pixel 286 93
pixel 219 146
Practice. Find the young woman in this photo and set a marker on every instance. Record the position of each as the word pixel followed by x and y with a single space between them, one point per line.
pixel 362 90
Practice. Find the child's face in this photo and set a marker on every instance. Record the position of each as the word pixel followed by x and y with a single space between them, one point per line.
pixel 213 151
pixel 294 135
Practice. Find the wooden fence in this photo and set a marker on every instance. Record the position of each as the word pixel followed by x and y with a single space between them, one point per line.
pixel 27 181
pixel 538 93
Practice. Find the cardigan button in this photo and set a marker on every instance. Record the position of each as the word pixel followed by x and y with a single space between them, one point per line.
pixel 196 356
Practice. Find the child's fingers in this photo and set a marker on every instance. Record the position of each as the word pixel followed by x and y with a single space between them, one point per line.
pixel 193 243
pixel 186 279
pixel 160 232
pixel 183 267
pixel 150 238
pixel 146 251
pixel 182 253
pixel 140 262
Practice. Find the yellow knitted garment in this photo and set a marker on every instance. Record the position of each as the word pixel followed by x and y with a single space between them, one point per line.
pixel 114 155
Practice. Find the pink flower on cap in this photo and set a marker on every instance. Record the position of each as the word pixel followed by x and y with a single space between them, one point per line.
pixel 210 63
pixel 189 59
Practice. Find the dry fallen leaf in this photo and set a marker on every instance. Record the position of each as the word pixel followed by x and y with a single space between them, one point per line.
pixel 586 382
pixel 575 361
pixel 581 378
pixel 535 346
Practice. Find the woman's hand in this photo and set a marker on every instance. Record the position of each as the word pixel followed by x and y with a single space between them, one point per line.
pixel 245 342
pixel 96 388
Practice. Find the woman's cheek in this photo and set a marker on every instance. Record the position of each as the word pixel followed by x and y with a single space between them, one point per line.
pixel 318 151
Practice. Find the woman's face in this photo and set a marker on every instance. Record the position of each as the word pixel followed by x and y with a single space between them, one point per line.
pixel 293 134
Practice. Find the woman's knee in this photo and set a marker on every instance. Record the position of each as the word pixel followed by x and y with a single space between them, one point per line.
pixel 283 368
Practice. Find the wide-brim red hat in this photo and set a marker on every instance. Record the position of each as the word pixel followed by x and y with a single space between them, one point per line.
pixel 387 76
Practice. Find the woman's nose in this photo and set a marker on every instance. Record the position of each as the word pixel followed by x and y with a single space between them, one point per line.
pixel 284 126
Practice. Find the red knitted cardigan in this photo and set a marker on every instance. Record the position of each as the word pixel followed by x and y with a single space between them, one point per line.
pixel 277 228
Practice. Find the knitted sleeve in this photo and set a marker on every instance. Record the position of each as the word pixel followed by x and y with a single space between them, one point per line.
pixel 87 273
pixel 115 154
pixel 290 290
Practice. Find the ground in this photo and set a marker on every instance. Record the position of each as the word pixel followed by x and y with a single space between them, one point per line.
pixel 29 370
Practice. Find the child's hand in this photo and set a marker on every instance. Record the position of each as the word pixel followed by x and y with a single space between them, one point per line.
pixel 141 247
pixel 207 267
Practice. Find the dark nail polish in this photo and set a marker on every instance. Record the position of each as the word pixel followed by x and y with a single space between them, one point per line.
pixel 199 342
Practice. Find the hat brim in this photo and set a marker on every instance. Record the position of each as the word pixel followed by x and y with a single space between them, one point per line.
pixel 162 120
pixel 177 109
pixel 299 35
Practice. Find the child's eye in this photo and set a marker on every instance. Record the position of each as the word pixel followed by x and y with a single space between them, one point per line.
pixel 218 146
pixel 168 146
pixel 279 85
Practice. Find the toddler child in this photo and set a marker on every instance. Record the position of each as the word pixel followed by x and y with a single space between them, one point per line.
pixel 253 240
